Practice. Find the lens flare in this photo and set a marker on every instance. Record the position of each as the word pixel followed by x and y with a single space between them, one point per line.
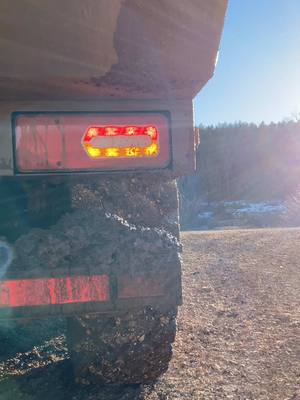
pixel 6 257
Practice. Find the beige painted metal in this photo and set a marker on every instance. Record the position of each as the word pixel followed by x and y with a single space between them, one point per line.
pixel 107 55
pixel 100 48
pixel 181 111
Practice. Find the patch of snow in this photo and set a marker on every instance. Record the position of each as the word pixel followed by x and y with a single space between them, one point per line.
pixel 206 215
pixel 259 208
pixel 234 203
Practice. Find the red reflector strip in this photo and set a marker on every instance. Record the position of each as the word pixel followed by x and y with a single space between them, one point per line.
pixel 46 291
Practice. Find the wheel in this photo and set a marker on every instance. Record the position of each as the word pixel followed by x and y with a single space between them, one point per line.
pixel 134 346
pixel 130 348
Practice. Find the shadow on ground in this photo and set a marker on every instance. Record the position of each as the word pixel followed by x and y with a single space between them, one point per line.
pixel 55 381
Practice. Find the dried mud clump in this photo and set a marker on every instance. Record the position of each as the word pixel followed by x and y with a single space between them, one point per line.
pixel 147 200
pixel 96 242
pixel 120 224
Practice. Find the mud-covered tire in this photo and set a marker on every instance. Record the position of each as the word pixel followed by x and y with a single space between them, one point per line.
pixel 130 348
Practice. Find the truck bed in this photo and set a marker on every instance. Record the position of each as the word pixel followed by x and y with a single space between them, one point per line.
pixel 108 48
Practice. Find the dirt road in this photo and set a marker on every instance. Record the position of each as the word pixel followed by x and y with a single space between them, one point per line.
pixel 238 331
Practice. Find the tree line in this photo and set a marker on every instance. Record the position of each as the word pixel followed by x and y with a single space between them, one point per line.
pixel 245 161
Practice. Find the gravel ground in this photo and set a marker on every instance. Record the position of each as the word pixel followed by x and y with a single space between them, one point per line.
pixel 238 331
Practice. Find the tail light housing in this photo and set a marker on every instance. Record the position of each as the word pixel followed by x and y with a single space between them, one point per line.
pixel 54 142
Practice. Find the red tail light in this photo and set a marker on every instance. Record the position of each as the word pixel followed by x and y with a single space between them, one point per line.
pixel 121 141
pixel 65 141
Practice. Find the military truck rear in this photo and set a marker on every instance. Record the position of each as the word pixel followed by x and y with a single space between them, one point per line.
pixel 96 124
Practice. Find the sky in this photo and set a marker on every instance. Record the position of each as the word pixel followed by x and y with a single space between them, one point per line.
pixel 257 77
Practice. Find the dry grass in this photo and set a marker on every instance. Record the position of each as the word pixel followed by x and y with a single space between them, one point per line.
pixel 239 328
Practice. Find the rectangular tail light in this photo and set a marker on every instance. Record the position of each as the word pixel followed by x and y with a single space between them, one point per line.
pixel 53 142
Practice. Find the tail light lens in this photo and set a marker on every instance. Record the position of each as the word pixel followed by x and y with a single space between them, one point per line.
pixel 54 142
